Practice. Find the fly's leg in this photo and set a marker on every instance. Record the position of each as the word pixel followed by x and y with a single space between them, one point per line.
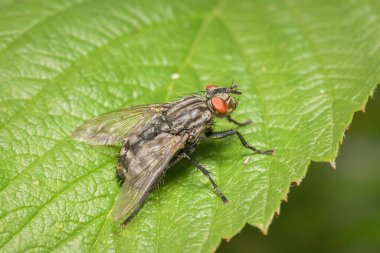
pixel 219 135
pixel 247 122
pixel 207 174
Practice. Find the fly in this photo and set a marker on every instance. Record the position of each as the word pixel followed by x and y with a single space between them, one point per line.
pixel 154 137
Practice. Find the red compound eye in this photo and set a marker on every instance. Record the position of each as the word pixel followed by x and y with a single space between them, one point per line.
pixel 210 86
pixel 220 105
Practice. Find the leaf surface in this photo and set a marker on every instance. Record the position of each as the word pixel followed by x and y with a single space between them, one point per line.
pixel 304 68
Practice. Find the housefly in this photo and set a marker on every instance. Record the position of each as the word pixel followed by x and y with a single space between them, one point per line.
pixel 156 136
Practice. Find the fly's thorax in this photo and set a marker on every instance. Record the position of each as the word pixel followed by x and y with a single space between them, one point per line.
pixel 197 134
pixel 190 114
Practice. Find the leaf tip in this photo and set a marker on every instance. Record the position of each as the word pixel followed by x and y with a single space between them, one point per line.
pixel 333 164
pixel 227 239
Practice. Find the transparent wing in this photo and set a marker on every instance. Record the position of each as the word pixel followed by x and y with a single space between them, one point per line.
pixel 113 127
pixel 149 165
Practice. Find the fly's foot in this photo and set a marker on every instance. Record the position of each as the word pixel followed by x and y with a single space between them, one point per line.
pixel 240 124
pixel 258 151
pixel 262 152
pixel 247 122
pixel 224 198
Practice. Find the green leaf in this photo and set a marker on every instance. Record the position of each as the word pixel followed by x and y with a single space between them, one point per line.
pixel 304 66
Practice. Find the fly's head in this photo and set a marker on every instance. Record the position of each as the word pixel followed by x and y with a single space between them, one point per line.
pixel 219 99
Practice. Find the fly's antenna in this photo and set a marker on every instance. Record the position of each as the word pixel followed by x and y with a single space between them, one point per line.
pixel 234 86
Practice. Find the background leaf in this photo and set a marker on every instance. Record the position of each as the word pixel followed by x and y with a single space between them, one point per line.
pixel 304 68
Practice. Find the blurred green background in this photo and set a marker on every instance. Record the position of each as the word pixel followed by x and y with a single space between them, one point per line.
pixel 332 210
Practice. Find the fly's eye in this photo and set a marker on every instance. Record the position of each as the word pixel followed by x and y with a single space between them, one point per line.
pixel 210 86
pixel 220 105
